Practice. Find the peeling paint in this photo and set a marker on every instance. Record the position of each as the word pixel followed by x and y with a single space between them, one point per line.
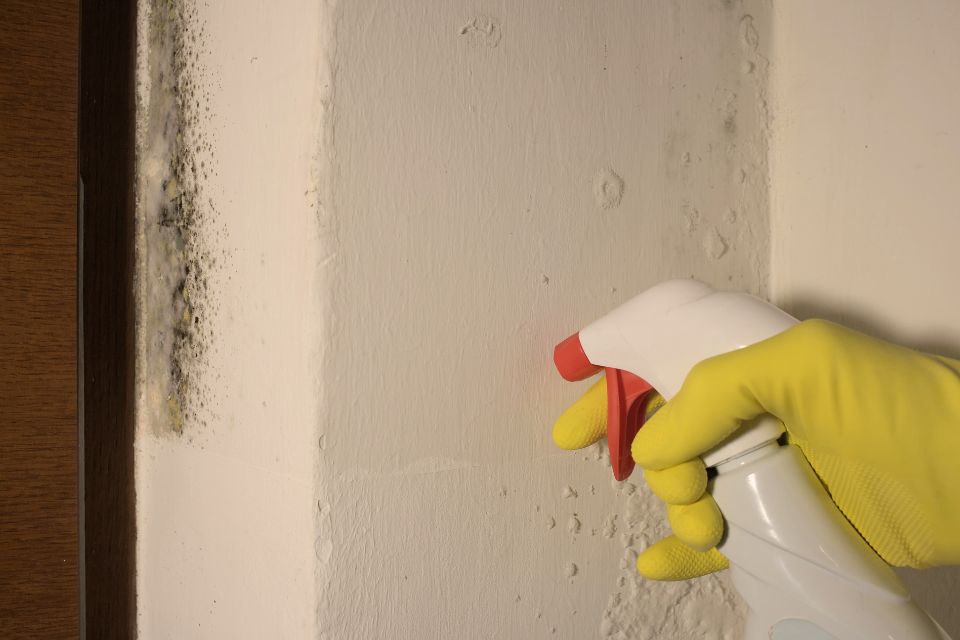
pixel 608 189
pixel 483 29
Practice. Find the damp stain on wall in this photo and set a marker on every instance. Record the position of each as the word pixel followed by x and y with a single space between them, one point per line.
pixel 176 220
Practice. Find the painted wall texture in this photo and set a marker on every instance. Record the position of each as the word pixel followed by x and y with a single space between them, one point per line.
pixel 864 156
pixel 504 173
pixel 364 225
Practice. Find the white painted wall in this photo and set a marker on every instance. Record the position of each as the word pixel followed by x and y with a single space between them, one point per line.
pixel 398 209
pixel 864 161
pixel 469 140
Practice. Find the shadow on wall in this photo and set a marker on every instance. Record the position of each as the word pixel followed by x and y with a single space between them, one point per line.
pixel 805 308
pixel 934 589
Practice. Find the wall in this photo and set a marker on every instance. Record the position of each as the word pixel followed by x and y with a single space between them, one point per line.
pixel 362 229
pixel 504 173
pixel 864 157
pixel 230 315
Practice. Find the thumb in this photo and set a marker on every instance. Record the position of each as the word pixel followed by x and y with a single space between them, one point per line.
pixel 717 396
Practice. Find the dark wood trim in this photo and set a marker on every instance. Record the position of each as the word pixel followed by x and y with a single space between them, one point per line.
pixel 107 141
pixel 39 451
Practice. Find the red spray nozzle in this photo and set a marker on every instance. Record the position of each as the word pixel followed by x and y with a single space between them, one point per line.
pixel 572 363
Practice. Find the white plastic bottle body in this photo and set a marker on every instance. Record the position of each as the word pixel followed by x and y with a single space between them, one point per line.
pixel 794 557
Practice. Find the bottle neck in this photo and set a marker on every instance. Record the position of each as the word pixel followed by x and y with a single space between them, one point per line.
pixel 762 450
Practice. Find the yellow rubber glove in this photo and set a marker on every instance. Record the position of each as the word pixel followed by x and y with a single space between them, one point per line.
pixel 879 423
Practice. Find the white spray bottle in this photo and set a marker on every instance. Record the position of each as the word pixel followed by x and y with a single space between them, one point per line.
pixel 803 570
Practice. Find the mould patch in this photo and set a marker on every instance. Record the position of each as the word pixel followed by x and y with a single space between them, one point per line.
pixel 177 262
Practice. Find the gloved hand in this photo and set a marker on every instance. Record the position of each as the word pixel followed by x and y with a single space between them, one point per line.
pixel 879 424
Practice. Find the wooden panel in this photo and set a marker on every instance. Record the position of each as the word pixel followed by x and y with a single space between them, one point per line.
pixel 106 167
pixel 39 549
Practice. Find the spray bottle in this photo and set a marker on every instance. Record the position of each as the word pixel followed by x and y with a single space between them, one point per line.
pixel 802 568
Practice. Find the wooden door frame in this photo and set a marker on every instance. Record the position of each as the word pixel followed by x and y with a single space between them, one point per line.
pixel 39 396
pixel 67 509
pixel 106 165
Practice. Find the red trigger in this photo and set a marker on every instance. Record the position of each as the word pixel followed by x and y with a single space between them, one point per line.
pixel 627 397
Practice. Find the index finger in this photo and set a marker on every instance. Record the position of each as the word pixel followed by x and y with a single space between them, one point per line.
pixel 716 398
